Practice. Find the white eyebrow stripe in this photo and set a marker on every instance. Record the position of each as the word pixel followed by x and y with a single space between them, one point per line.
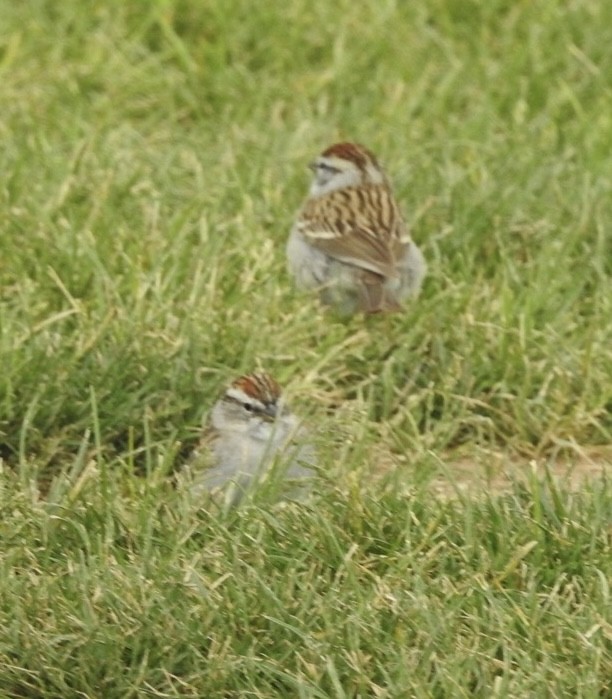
pixel 239 395
pixel 332 162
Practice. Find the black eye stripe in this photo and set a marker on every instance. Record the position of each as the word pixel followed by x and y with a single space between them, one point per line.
pixel 237 401
pixel 329 168
pixel 255 408
pixel 249 407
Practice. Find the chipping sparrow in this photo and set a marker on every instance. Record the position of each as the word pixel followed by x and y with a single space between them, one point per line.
pixel 252 432
pixel 350 240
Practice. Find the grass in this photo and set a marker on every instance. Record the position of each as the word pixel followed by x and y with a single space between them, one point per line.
pixel 121 595
pixel 153 158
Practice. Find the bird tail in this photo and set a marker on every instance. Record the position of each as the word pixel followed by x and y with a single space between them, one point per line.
pixel 374 297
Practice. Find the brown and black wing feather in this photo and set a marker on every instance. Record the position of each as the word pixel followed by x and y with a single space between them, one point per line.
pixel 360 226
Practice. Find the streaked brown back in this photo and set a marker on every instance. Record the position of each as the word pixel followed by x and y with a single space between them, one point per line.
pixel 361 225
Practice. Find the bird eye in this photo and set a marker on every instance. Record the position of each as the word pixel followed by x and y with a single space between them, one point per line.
pixel 248 406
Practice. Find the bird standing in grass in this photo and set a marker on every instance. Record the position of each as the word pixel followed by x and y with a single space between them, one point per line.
pixel 252 436
pixel 349 240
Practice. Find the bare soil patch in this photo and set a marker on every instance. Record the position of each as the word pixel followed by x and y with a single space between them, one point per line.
pixel 496 473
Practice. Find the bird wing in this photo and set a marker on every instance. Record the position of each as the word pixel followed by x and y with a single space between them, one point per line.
pixel 359 226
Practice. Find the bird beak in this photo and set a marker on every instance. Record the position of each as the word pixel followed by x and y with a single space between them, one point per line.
pixel 312 166
pixel 269 414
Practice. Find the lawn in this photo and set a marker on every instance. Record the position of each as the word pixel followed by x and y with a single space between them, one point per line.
pixel 459 539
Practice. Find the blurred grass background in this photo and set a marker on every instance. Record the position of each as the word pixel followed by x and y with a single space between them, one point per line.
pixel 153 159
